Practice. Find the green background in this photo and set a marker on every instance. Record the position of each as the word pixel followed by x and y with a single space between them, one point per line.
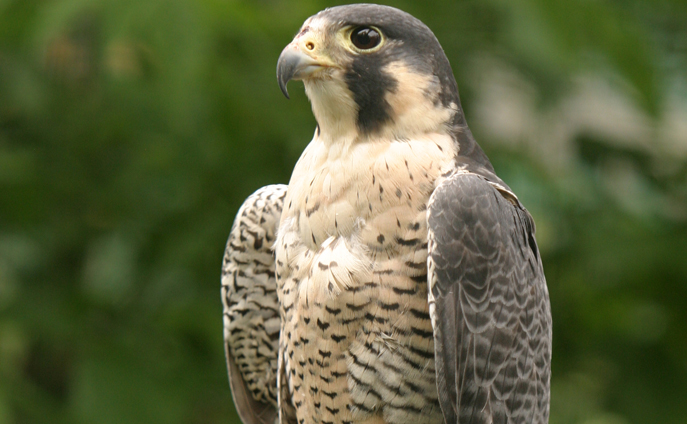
pixel 131 131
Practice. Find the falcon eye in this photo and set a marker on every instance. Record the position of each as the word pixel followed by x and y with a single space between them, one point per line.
pixel 365 38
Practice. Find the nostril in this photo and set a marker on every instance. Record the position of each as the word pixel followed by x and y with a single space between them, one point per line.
pixel 310 45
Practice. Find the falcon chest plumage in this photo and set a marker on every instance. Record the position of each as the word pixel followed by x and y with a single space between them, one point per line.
pixel 351 269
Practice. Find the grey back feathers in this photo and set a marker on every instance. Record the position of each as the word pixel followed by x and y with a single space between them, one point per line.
pixel 489 306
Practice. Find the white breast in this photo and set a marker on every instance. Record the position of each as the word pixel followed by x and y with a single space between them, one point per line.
pixel 346 204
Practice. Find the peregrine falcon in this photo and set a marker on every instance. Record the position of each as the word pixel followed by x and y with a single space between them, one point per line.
pixel 396 279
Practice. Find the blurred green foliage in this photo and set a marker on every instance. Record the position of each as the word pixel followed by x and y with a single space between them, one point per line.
pixel 131 131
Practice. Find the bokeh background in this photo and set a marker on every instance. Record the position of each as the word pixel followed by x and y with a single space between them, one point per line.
pixel 131 131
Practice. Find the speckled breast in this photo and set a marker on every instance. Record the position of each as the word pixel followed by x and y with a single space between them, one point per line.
pixel 351 258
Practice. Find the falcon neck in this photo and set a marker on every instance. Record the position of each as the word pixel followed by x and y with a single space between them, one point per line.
pixel 334 110
pixel 413 109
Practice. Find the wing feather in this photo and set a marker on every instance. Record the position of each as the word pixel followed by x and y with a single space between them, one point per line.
pixel 250 306
pixel 489 305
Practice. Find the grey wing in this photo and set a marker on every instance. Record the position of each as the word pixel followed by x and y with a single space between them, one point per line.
pixel 250 306
pixel 489 305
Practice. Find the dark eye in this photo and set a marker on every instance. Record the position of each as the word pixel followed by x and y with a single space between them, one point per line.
pixel 365 38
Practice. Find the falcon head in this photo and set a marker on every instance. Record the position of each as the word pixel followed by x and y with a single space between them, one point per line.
pixel 372 72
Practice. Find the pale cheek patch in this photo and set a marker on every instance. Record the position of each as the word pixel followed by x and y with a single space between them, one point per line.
pixel 414 105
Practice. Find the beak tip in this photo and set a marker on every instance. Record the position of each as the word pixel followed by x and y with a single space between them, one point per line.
pixel 288 65
pixel 282 86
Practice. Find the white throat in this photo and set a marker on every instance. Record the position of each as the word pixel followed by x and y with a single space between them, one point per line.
pixel 334 109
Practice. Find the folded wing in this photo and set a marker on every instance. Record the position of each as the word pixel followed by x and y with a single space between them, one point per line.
pixel 250 306
pixel 489 305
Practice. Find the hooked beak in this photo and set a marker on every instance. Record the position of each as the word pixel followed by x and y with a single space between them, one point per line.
pixel 295 64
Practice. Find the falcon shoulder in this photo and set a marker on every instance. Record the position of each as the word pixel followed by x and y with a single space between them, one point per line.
pixel 489 305
pixel 250 306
